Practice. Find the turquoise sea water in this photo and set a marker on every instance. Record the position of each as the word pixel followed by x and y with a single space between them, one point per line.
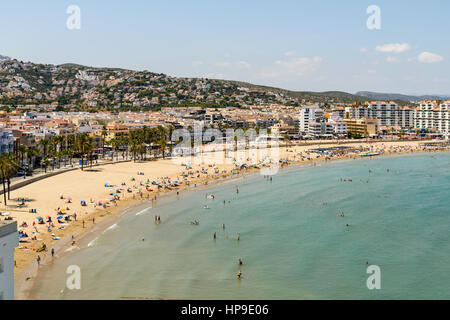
pixel 294 243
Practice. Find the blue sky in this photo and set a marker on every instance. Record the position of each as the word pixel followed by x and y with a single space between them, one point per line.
pixel 300 45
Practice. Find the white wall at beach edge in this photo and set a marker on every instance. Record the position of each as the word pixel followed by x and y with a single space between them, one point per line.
pixel 7 245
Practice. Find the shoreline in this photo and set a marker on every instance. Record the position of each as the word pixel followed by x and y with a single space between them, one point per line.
pixel 26 279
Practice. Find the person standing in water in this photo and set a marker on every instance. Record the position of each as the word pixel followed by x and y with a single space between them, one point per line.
pixel 240 262
pixel 239 237
pixel 214 236
pixel 239 274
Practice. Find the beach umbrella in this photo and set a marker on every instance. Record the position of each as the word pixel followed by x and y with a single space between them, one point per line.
pixel 5 214
pixel 39 218
pixel 20 229
pixel 115 195
pixel 59 217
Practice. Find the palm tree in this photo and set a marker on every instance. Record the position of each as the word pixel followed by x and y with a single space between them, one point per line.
pixel 162 146
pixel 32 153
pixel 52 152
pixel 84 145
pixel 44 143
pixel 57 142
pixel 22 150
pixel 7 167
pixel 124 141
pixel 45 162
pixel 115 144
pixel 104 134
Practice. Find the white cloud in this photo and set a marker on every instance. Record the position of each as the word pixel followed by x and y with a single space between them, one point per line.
pixel 214 76
pixel 242 65
pixel 223 64
pixel 290 54
pixel 394 47
pixel 428 57
pixel 197 63
pixel 363 50
pixel 238 64
pixel 291 67
pixel 392 59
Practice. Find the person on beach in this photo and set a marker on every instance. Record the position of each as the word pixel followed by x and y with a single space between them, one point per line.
pixel 38 259
pixel 53 252
pixel 83 224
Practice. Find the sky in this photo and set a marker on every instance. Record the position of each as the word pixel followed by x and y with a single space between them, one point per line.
pixel 322 45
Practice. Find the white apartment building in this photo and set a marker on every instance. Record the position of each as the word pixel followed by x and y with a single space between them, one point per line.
pixel 406 118
pixel 357 112
pixel 338 124
pixel 433 114
pixel 8 241
pixel 309 115
pixel 317 129
pixel 388 114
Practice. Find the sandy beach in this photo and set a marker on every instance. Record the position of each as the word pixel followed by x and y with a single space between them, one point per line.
pixel 108 190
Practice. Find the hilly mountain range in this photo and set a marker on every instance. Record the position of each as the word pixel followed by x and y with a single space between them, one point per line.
pixel 398 96
pixel 72 86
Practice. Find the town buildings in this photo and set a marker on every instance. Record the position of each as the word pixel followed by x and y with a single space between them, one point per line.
pixel 8 241
pixel 433 115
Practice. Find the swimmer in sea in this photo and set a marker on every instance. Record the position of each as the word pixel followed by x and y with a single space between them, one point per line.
pixel 239 274
pixel 240 262
pixel 214 236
